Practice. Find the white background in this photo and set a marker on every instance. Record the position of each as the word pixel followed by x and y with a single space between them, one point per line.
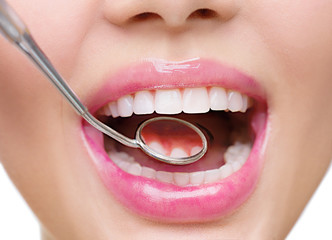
pixel 17 222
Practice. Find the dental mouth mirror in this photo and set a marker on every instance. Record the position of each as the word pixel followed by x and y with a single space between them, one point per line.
pixel 14 30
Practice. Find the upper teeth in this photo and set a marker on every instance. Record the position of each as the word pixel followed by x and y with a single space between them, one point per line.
pixel 174 101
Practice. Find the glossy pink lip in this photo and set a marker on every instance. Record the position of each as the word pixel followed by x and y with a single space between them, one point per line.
pixel 157 74
pixel 166 202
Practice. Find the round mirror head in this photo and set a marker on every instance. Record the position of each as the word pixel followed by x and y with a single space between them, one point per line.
pixel 171 140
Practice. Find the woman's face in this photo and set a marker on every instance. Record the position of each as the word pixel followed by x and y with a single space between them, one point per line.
pixel 277 53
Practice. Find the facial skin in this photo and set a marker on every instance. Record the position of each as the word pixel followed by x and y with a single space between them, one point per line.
pixel 284 45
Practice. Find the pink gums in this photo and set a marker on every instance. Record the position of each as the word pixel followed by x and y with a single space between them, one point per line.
pixel 170 203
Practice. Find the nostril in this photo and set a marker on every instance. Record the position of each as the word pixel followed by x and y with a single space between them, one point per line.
pixel 203 13
pixel 145 16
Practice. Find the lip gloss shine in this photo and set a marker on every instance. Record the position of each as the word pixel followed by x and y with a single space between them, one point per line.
pixel 160 201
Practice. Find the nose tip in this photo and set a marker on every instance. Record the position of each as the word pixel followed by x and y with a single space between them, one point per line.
pixel 174 13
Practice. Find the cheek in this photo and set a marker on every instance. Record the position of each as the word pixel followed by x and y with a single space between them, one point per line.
pixel 298 36
pixel 27 99
pixel 298 32
pixel 59 28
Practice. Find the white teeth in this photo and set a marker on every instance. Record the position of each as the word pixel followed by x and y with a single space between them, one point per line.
pixel 157 147
pixel 148 172
pixel 236 166
pixel 196 100
pixel 218 98
pixel 226 171
pixel 174 152
pixel 125 106
pixel 125 156
pixel 124 165
pixel 166 177
pixel 106 111
pixel 143 103
pixel 114 109
pixel 235 157
pixel 178 153
pixel 181 179
pixel 135 169
pixel 191 100
pixel 197 178
pixel 168 101
pixel 235 102
pixel 237 152
pixel 245 101
pixel 212 176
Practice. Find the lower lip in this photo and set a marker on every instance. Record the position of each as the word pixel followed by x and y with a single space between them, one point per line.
pixel 169 203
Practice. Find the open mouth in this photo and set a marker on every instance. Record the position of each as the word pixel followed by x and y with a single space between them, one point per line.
pixel 224 116
pixel 233 121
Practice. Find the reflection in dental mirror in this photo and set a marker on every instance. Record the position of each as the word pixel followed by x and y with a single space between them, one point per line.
pixel 171 140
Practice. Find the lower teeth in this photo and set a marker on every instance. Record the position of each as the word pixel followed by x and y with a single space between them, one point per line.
pixel 235 157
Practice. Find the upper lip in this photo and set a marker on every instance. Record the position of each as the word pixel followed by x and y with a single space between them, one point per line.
pixel 171 203
pixel 161 74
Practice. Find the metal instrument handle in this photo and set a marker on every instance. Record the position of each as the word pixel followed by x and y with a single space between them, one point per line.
pixel 13 29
